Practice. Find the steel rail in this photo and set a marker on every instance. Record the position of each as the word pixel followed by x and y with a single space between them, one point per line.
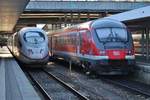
pixel 78 94
pixel 42 90
pixel 132 88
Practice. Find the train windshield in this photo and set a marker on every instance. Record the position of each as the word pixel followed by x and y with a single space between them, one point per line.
pixel 112 34
pixel 34 37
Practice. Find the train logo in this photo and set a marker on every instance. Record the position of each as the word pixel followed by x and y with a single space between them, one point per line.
pixel 116 53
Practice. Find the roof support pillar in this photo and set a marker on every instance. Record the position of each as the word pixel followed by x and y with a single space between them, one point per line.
pixel 79 16
pixel 65 20
pixel 71 16
pixel 147 43
pixel 142 42
pixel 104 14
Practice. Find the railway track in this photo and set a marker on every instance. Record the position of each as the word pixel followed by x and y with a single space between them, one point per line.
pixel 90 93
pixel 123 81
pixel 80 95
pixel 53 80
pixel 131 85
pixel 126 83
pixel 41 89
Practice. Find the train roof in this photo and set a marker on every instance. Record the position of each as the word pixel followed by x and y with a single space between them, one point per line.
pixel 101 23
pixel 26 29
pixel 98 23
pixel 105 22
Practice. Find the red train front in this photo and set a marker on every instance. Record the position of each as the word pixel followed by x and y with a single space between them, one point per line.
pixel 102 45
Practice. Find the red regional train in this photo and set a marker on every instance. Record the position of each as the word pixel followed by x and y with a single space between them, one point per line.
pixel 103 45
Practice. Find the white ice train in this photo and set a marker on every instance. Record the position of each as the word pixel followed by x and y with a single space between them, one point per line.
pixel 30 46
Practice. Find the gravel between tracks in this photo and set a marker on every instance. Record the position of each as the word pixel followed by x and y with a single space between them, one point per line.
pixel 94 88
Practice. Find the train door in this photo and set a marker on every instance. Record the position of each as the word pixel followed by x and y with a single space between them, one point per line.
pixel 54 43
pixel 85 42
pixel 78 41
pixel 89 41
pixel 50 45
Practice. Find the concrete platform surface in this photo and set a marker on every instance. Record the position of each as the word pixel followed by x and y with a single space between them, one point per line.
pixel 4 52
pixel 14 85
pixel 142 73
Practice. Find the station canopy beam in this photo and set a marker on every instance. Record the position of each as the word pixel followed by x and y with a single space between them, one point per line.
pixel 138 19
pixel 139 16
pixel 10 11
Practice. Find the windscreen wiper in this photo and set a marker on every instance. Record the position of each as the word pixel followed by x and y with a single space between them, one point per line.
pixel 118 37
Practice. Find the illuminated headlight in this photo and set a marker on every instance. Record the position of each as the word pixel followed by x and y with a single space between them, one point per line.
pixel 130 52
pixel 102 52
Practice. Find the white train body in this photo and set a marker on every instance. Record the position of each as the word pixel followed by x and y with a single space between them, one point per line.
pixel 30 46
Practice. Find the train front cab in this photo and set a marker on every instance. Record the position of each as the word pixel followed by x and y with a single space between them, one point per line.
pixel 115 46
pixel 35 49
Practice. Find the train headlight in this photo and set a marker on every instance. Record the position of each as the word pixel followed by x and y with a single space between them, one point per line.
pixel 102 52
pixel 130 52
pixel 30 51
pixel 41 50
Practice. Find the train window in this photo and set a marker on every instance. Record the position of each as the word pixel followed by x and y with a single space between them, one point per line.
pixel 120 33
pixel 103 34
pixel 112 34
pixel 88 34
pixel 72 39
pixel 34 37
pixel 80 37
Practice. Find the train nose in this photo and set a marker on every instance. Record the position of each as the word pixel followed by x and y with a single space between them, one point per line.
pixel 41 51
pixel 37 53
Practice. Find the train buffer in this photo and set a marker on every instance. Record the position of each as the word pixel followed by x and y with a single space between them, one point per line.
pixel 14 85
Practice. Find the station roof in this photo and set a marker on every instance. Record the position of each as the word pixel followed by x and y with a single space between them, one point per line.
pixel 9 13
pixel 73 11
pixel 11 9
pixel 137 16
pixel 82 6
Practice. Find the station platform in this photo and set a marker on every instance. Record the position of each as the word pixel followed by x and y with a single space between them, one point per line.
pixel 14 85
pixel 4 53
pixel 142 63
pixel 143 66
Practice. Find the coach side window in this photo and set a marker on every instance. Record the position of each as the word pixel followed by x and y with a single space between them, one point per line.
pixel 73 39
pixel 88 35
pixel 80 37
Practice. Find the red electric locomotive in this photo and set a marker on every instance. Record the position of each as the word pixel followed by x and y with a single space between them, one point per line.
pixel 102 45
